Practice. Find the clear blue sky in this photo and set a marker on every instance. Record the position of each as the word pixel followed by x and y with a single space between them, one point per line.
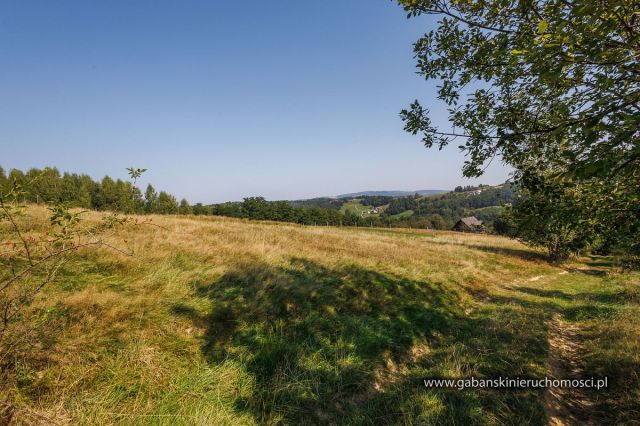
pixel 220 100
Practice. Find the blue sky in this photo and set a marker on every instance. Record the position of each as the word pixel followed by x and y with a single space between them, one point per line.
pixel 221 100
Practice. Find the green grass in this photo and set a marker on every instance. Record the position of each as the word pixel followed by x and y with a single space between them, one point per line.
pixel 318 340
pixel 404 214
pixel 219 321
pixel 605 307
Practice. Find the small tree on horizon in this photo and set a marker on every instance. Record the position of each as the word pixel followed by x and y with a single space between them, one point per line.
pixel 185 208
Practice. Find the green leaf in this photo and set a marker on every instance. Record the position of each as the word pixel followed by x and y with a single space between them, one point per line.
pixel 542 26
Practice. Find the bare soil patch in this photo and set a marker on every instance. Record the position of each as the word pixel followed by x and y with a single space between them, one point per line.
pixel 566 406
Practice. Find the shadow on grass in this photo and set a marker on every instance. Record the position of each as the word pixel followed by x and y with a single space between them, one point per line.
pixel 351 346
pixel 524 254
pixel 617 298
pixel 601 261
pixel 593 272
pixel 529 255
pixel 609 346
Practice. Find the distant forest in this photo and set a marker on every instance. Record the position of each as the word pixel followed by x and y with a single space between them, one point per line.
pixel 49 186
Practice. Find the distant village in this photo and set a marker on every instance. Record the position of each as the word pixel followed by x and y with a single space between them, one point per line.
pixel 475 190
pixel 374 210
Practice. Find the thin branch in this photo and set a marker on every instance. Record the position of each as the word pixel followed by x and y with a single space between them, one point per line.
pixel 17 230
pixel 46 258
pixel 445 11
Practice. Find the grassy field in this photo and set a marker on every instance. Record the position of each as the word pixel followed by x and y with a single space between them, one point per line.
pixel 223 321
pixel 404 214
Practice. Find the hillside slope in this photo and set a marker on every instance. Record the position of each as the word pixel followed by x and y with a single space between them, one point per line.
pixel 223 321
pixel 393 193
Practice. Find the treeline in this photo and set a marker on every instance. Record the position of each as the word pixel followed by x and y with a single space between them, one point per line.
pixel 416 211
pixel 431 212
pixel 49 186
pixel 375 200
pixel 257 208
pixel 467 188
pixel 337 203
pixel 323 202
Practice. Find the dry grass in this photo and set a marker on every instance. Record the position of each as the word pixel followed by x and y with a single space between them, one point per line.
pixel 223 321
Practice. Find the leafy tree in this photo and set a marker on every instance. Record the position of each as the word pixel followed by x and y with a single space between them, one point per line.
pixel 17 178
pixel 437 222
pixel 167 203
pixel 324 202
pixel 351 219
pixel 613 206
pixel 125 197
pixel 137 199
pixel 44 185
pixel 150 200
pixel 401 204
pixel 374 200
pixel 227 209
pixel 255 208
pixel 4 181
pixel 104 198
pixel 553 216
pixel 69 188
pixel 503 225
pixel 185 208
pixel 283 211
pixel 83 197
pixel 549 86
pixel 199 209
pixel 548 81
pixel 73 190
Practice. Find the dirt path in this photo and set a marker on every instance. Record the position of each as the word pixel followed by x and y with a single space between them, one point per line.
pixel 566 406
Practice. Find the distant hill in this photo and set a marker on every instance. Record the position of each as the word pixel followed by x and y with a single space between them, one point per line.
pixel 433 209
pixel 441 211
pixel 393 193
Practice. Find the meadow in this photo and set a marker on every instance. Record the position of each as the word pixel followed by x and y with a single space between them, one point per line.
pixel 231 322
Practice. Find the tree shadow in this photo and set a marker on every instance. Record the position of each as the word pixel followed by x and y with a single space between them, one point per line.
pixel 614 298
pixel 529 255
pixel 538 292
pixel 601 261
pixel 350 345
pixel 524 254
pixel 545 307
pixel 592 272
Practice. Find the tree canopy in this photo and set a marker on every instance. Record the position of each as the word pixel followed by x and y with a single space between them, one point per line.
pixel 552 83
pixel 551 87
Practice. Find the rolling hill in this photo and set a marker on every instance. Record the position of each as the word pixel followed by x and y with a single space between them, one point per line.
pixel 392 193
pixel 434 211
